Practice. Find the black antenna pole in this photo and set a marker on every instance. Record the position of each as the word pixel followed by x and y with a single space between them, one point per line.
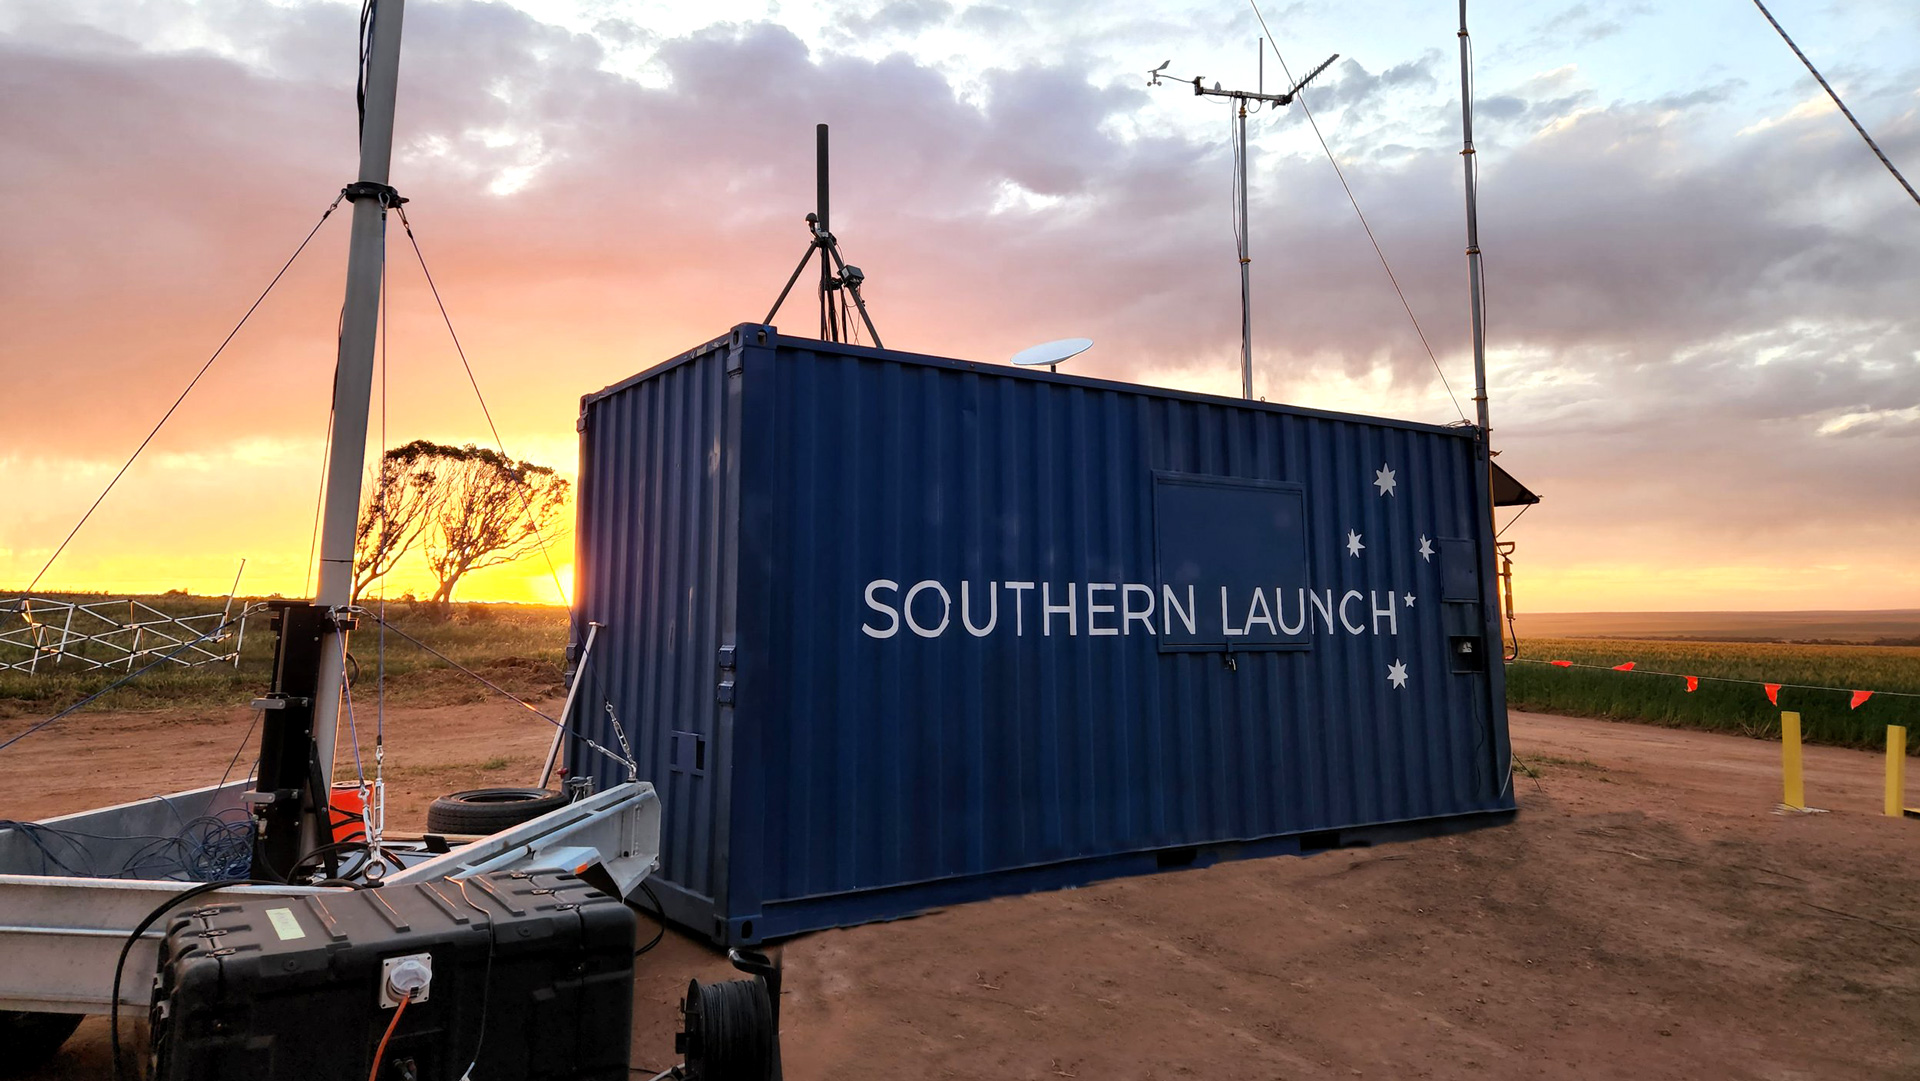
pixel 835 274
pixel 828 330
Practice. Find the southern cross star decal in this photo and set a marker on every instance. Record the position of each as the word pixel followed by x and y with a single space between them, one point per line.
pixel 1409 600
pixel 1397 675
pixel 1383 480
pixel 1353 544
pixel 1426 548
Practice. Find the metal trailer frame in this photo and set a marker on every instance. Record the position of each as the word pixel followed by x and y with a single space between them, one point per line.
pixel 60 936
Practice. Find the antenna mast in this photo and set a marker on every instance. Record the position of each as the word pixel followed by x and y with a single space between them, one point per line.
pixel 1258 97
pixel 303 708
pixel 837 280
pixel 1472 168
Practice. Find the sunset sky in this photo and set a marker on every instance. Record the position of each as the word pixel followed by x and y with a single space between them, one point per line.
pixel 1704 292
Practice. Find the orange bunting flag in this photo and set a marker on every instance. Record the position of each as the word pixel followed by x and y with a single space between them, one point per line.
pixel 1627 667
pixel 1693 684
pixel 1773 692
pixel 1859 698
pixel 1561 664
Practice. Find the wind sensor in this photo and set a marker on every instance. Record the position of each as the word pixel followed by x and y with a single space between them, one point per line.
pixel 1241 98
pixel 838 281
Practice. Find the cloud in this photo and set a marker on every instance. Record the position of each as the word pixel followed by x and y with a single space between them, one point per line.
pixel 1678 311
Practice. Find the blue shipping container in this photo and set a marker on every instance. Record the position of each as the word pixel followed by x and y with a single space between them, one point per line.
pixel 891 631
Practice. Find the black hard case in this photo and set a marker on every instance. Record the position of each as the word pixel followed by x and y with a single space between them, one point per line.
pixel 532 978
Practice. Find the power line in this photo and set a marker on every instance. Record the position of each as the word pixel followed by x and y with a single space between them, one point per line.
pixel 1371 239
pixel 195 381
pixel 1848 113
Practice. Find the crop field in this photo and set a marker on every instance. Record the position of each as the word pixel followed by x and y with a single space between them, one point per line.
pixel 520 647
pixel 1730 707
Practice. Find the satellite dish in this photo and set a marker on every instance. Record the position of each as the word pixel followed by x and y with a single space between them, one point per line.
pixel 1050 353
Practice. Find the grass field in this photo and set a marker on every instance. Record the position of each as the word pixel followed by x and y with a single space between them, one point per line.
pixel 520 647
pixel 1731 707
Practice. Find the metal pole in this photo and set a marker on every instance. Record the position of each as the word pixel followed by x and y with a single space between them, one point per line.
pixel 1246 288
pixel 560 734
pixel 828 331
pixel 353 376
pixel 1473 231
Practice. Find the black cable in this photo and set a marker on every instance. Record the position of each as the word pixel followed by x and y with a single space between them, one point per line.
pixel 237 750
pixel 119 966
pixel 320 851
pixel 1848 113
pixel 659 914
pixel 183 394
pixel 123 680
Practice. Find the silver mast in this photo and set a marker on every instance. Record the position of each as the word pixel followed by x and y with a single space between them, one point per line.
pixel 1473 230
pixel 1241 98
pixel 1246 264
pixel 353 374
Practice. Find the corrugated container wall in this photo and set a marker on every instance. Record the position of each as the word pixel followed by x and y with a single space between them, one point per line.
pixel 891 631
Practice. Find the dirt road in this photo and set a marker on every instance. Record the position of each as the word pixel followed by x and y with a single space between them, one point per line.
pixel 1649 916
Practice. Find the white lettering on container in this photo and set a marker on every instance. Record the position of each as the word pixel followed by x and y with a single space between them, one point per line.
pixel 1048 609
pixel 1094 610
pixel 1128 615
pixel 1171 605
pixel 893 627
pixel 993 610
pixel 946 608
pixel 1019 613
pixel 1350 595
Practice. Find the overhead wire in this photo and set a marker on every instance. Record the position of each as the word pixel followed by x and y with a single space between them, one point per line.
pixel 472 380
pixel 129 677
pixel 191 383
pixel 510 696
pixel 1300 99
pixel 1832 93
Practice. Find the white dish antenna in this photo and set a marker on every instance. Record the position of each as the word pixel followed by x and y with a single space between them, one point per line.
pixel 1048 354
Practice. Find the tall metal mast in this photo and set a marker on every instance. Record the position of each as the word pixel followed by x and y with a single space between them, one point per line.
pixel 1242 97
pixel 1473 228
pixel 299 737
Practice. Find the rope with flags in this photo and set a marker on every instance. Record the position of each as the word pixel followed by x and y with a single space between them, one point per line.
pixel 1858 699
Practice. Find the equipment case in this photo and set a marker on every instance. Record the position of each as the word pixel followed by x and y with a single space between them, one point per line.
pixel 531 977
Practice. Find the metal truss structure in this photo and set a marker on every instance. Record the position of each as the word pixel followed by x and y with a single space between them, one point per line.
pixel 49 634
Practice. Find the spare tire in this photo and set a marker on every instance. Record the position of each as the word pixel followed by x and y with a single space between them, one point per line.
pixel 490 810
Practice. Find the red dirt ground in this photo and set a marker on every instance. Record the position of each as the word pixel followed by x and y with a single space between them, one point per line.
pixel 1649 916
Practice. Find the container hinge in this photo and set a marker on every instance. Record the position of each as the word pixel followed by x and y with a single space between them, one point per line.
pixel 726 657
pixel 724 693
pixel 580 422
pixel 736 359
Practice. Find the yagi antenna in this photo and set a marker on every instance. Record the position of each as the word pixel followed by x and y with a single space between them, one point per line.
pixel 1258 97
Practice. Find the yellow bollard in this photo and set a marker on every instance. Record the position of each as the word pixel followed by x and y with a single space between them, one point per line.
pixel 1896 770
pixel 1790 761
